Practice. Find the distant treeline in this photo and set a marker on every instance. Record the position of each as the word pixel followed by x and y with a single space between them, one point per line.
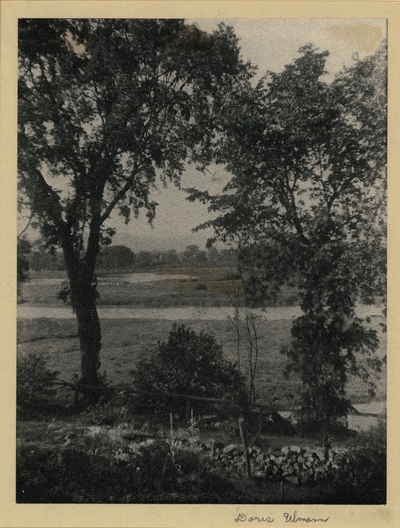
pixel 122 257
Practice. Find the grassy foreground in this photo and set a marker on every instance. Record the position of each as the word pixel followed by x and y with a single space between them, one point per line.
pixel 108 455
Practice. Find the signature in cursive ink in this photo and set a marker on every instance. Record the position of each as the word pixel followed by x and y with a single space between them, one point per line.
pixel 293 518
pixel 245 517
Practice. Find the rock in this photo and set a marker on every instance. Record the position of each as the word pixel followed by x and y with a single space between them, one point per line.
pixel 320 453
pixel 229 449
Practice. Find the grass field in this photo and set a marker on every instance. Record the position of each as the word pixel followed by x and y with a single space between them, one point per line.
pixel 179 286
pixel 124 340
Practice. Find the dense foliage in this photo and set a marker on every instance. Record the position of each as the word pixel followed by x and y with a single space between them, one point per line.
pixel 188 363
pixel 307 201
pixel 149 476
pixel 34 381
pixel 114 257
pixel 363 480
pixel 103 105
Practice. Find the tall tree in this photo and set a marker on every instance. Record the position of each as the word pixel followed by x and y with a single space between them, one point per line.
pixel 103 104
pixel 307 199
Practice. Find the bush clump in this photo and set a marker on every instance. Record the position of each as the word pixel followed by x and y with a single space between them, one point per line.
pixel 35 382
pixel 189 364
pixel 363 479
pixel 104 412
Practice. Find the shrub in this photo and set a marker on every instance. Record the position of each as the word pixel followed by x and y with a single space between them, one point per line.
pixel 64 475
pixel 34 380
pixel 111 407
pixel 188 363
pixel 363 480
pixel 103 413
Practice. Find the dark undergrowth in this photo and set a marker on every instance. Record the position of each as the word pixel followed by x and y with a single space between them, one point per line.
pixel 50 475
pixel 70 459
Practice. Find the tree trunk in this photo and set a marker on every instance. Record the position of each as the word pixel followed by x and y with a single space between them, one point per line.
pixel 83 292
pixel 90 345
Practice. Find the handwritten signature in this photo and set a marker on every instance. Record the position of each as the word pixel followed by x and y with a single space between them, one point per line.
pixel 289 518
pixel 294 518
pixel 244 517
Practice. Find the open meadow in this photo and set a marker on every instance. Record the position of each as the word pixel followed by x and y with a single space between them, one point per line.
pixel 169 287
pixel 125 340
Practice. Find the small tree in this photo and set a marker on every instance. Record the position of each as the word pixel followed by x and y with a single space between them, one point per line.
pixel 35 382
pixel 194 256
pixel 246 324
pixel 116 257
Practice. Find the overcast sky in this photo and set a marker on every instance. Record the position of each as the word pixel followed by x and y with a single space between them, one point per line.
pixel 270 44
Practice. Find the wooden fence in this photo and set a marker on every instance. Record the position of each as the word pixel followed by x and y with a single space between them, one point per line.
pixel 189 398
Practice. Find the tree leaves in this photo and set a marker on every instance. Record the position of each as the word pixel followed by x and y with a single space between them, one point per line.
pixel 307 200
pixel 103 105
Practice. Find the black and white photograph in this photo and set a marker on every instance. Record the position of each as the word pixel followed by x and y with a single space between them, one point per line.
pixel 201 263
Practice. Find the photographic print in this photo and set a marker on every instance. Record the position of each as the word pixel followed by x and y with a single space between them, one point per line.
pixel 198 222
pixel 202 262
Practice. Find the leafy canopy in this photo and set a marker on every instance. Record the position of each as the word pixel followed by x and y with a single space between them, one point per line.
pixel 103 105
